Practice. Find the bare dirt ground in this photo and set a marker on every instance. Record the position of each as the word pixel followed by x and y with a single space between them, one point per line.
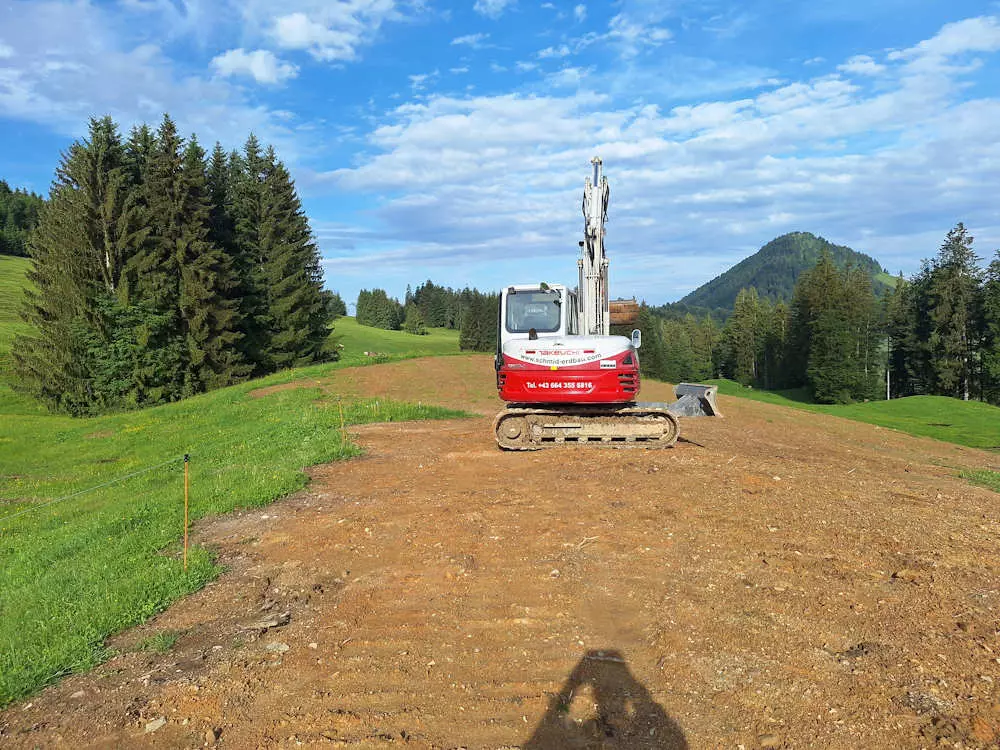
pixel 778 579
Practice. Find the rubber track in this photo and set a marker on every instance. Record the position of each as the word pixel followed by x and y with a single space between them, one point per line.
pixel 527 427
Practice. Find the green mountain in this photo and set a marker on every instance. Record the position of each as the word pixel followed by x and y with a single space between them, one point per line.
pixel 774 269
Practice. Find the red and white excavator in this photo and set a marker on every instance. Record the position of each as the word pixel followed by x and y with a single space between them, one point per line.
pixel 565 378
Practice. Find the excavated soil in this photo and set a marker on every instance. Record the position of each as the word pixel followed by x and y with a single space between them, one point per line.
pixel 777 579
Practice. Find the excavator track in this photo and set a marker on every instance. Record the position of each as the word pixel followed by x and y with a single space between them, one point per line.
pixel 527 427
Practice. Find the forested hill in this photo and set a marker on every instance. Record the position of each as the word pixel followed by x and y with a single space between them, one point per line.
pixel 774 268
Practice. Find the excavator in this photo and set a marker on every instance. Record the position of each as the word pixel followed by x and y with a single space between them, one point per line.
pixel 564 377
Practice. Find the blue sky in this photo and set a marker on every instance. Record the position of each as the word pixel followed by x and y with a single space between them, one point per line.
pixel 450 141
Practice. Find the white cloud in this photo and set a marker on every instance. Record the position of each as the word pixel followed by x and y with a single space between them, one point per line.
pixel 261 65
pixel 6 51
pixel 861 65
pixel 738 170
pixel 561 51
pixel 497 67
pixel 492 8
pixel 634 34
pixel 475 41
pixel 815 60
pixel 462 69
pixel 525 66
pixel 580 13
pixel 329 31
pixel 420 81
pixel 980 34
pixel 67 53
pixel 568 77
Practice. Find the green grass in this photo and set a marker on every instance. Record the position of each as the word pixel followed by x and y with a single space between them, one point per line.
pixel 970 423
pixel 159 642
pixel 984 478
pixel 75 571
pixel 358 339
pixel 12 285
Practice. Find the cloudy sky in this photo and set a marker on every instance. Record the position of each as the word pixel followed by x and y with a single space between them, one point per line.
pixel 450 140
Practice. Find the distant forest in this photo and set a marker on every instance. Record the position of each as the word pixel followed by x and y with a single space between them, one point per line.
pixel 773 271
pixel 469 311
pixel 935 333
pixel 19 210
pixel 160 272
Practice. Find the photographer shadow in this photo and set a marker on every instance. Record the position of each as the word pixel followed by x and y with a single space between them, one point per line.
pixel 602 705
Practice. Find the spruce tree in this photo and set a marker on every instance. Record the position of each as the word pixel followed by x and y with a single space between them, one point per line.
pixel 139 153
pixel 209 313
pixel 775 346
pixel 744 337
pixel 154 270
pixel 955 334
pixel 222 230
pixel 290 272
pixel 85 239
pixel 414 321
pixel 831 373
pixel 991 332
pixel 247 173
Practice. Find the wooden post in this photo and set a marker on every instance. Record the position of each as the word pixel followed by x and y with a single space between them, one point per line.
pixel 187 460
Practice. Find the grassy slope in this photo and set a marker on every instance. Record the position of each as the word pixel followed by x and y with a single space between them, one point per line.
pixel 73 572
pixel 969 423
pixel 358 339
pixel 12 283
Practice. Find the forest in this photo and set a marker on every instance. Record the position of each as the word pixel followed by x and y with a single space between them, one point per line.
pixel 469 311
pixel 19 210
pixel 160 272
pixel 937 333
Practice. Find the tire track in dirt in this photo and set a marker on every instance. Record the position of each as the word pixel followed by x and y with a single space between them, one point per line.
pixel 780 579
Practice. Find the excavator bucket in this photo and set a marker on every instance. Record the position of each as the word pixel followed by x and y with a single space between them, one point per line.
pixel 695 400
pixel 624 312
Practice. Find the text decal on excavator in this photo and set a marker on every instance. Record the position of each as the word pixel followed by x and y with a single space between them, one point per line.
pixel 558 385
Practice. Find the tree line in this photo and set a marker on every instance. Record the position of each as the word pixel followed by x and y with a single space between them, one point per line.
pixel 936 333
pixel 160 272
pixel 943 325
pixel 19 210
pixel 469 311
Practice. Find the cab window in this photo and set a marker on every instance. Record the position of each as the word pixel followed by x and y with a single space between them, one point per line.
pixel 534 309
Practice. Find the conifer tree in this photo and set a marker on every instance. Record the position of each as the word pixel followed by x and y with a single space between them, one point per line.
pixel 209 312
pixel 222 230
pixel 86 237
pixel 744 337
pixel 139 153
pixel 247 173
pixel 154 270
pixel 954 291
pixel 19 212
pixel 290 272
pixel 991 337
pixel 775 346
pixel 414 321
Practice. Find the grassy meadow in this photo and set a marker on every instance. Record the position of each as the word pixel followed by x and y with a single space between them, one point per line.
pixel 970 423
pixel 74 571
pixel 387 345
pixel 12 283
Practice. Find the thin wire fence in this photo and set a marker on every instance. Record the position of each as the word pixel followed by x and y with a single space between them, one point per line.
pixel 108 483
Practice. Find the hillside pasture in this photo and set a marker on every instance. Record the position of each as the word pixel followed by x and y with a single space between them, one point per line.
pixel 970 423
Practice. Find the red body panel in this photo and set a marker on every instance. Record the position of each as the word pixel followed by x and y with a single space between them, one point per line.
pixel 523 382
